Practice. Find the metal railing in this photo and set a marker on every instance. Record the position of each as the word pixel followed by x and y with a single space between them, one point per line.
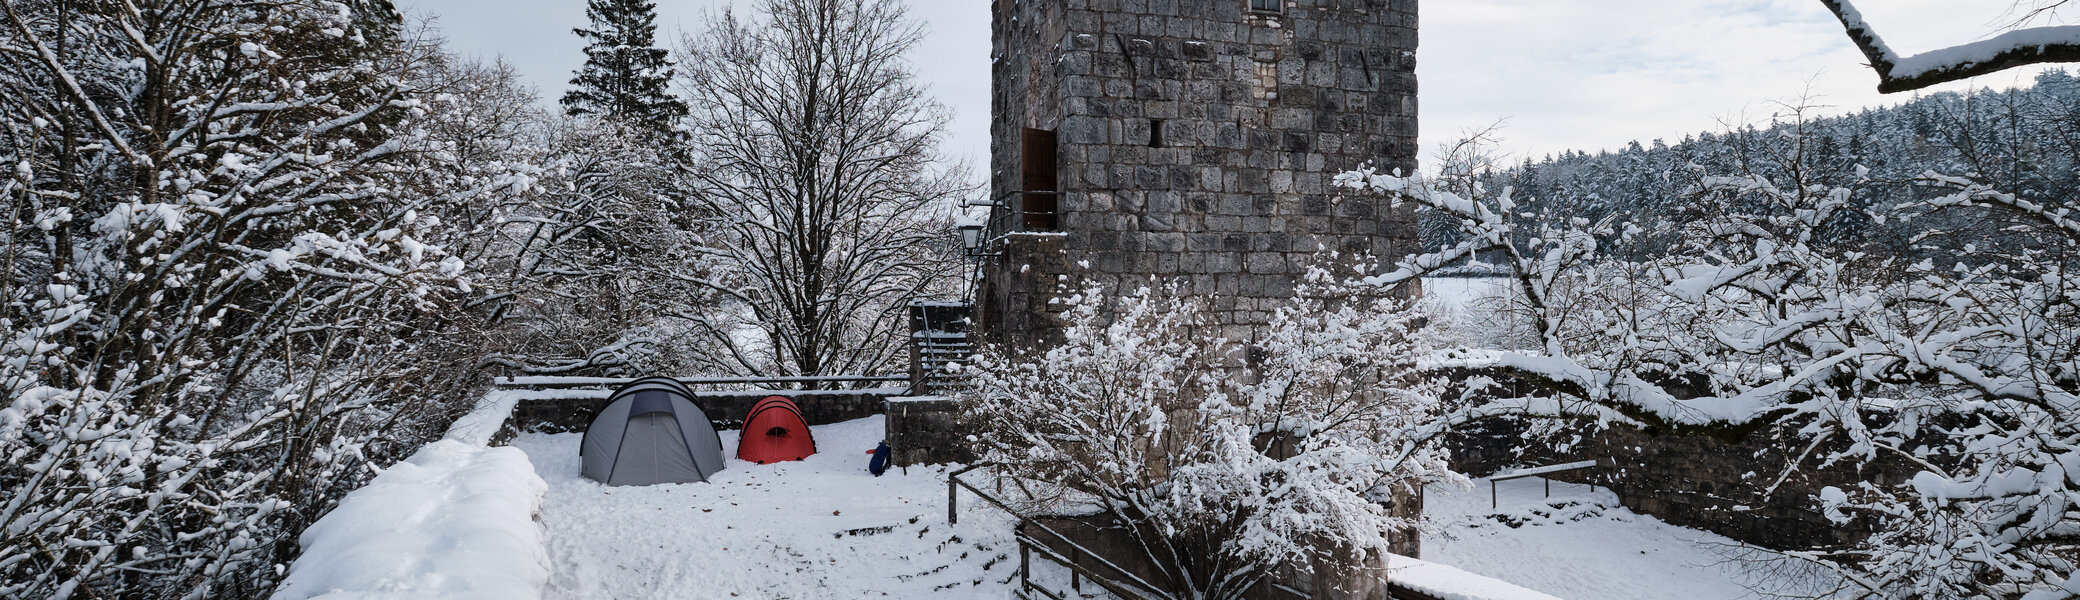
pixel 1007 215
pixel 1122 583
pixel 559 382
pixel 1494 500
pixel 1126 585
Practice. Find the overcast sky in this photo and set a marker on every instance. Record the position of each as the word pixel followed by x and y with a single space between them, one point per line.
pixel 1562 74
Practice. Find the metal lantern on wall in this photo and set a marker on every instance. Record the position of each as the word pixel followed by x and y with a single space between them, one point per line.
pixel 971 235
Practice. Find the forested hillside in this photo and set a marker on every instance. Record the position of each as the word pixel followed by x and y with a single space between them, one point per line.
pixel 2022 140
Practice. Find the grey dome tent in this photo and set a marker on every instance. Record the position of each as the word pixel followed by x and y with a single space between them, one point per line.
pixel 651 432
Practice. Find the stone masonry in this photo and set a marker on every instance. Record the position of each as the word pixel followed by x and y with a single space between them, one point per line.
pixel 1728 486
pixel 574 412
pixel 1192 141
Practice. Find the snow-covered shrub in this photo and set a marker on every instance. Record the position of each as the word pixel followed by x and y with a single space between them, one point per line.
pixel 233 228
pixel 1225 458
pixel 1949 339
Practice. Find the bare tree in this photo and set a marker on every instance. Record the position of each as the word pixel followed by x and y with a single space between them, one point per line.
pixel 815 153
pixel 2022 46
pixel 587 263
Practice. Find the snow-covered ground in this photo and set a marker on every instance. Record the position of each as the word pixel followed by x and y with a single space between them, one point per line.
pixel 1579 544
pixel 825 528
pixel 1466 291
pixel 1472 311
pixel 454 521
pixel 819 528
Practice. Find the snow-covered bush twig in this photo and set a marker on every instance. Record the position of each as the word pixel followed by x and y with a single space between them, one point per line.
pixel 1954 349
pixel 231 226
pixel 1224 458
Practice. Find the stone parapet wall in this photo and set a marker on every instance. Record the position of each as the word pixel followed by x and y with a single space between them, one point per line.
pixel 1726 487
pixel 572 410
pixel 927 430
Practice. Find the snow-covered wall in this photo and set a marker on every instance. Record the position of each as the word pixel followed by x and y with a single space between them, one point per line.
pixel 1731 489
pixel 555 411
pixel 456 521
pixel 1449 583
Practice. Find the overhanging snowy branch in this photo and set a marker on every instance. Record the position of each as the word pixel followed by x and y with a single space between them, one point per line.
pixel 2006 51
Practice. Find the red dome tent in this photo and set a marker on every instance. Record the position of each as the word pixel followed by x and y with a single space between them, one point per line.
pixel 774 431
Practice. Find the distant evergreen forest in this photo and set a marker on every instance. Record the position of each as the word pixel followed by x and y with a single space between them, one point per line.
pixel 2025 140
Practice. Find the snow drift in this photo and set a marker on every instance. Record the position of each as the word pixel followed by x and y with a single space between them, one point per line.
pixel 455 521
pixel 1450 583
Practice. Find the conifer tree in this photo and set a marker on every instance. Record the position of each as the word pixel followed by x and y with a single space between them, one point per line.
pixel 624 74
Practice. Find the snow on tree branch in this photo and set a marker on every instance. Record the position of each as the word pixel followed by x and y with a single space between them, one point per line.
pixel 219 280
pixel 815 165
pixel 1219 476
pixel 2006 51
pixel 1954 348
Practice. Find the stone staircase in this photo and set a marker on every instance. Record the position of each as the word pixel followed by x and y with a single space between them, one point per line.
pixel 938 340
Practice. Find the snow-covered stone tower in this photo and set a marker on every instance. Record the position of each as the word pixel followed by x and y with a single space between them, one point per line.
pixel 1190 139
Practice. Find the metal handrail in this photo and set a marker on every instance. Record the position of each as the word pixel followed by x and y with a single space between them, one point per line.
pixel 1135 579
pixel 570 382
pixel 953 485
pixel 1494 499
pixel 1102 581
pixel 1027 543
pixel 1006 218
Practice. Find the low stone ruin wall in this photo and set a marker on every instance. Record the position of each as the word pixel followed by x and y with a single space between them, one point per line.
pixel 556 411
pixel 1691 481
pixel 921 430
pixel 927 430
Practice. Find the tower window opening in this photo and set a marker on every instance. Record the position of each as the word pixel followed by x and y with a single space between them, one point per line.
pixel 1267 5
pixel 1155 133
pixel 1037 180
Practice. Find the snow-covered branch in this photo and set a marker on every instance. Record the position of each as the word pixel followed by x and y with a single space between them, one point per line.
pixel 2021 47
pixel 1218 481
pixel 1954 349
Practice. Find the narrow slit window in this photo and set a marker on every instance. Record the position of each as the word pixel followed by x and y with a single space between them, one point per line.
pixel 1155 133
pixel 1038 180
pixel 1267 5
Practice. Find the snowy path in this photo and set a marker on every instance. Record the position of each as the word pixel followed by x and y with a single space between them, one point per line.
pixel 820 528
pixel 1579 544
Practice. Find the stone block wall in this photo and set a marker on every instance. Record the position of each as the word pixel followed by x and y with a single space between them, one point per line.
pixel 1687 480
pixel 726 409
pixel 926 430
pixel 1196 142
